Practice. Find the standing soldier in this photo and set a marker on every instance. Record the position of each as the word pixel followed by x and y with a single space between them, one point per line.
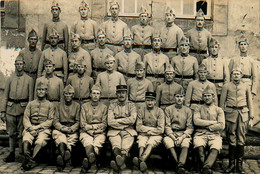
pixel 142 34
pixel 99 54
pixel 18 92
pixel 86 28
pixel 171 34
pixel 217 67
pixel 93 123
pixel 138 86
pixel 185 65
pixel 66 125
pixel 165 92
pixel 55 85
pixel 78 53
pixel 57 56
pixel 31 56
pixel 59 26
pixel 81 83
pixel 178 129
pixel 115 29
pixel 150 126
pixel 127 58
pixel 199 38
pixel 121 118
pixel 236 101
pixel 37 120
pixel 155 63
pixel 194 91
pixel 108 80
pixel 249 72
pixel 209 120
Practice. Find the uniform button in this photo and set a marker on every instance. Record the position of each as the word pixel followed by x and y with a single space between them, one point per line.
pixel 214 70
pixel 214 64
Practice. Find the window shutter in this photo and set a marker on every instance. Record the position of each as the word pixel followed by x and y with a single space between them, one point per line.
pixel 11 14
pixel 220 17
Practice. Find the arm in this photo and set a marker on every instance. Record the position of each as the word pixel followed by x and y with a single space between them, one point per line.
pixel 168 126
pixel 250 103
pixel 65 66
pixel 188 95
pixel 31 89
pixel 6 95
pixel 150 87
pixel 122 80
pixel 200 122
pixel 75 126
pixel 40 66
pixel 139 122
pixel 66 38
pixel 195 68
pixel 112 122
pixel 160 126
pixel 102 126
pixel 89 66
pixel 254 78
pixel 26 117
pixel 189 124
pixel 132 118
pixel 158 95
pixel 44 36
pixel 221 121
pixel 48 123
pixel 56 121
pixel 83 120
pixel 223 97
pixel 61 90
pixel 215 93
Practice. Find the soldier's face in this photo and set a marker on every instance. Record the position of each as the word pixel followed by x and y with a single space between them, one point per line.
pixel 95 95
pixel 208 98
pixel 150 102
pixel 169 76
pixel 114 10
pixel 121 95
pixel 101 40
pixel 200 22
pixel 75 43
pixel 203 75
pixel 184 48
pixel 128 43
pixel 179 99
pixel 54 40
pixel 169 18
pixel 81 69
pixel 41 92
pixel 55 11
pixel 49 68
pixel 243 46
pixel 68 96
pixel 110 65
pixel 139 73
pixel 83 12
pixel 33 41
pixel 144 18
pixel 156 43
pixel 19 65
pixel 236 75
pixel 214 50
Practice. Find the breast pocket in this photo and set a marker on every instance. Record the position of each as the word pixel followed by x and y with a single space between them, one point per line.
pixel 23 104
pixel 10 104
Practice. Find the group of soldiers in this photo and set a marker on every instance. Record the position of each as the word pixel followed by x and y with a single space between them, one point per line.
pixel 121 83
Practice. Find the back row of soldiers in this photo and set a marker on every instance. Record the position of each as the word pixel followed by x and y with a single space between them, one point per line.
pixel 162 67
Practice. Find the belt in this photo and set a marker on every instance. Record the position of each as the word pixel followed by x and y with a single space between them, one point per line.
pixel 30 72
pixel 196 102
pixel 166 104
pixel 246 77
pixel 127 74
pixel 142 46
pixel 58 69
pixel 18 100
pixel 137 101
pixel 53 100
pixel 177 130
pixel 169 49
pixel 155 75
pixel 71 71
pixel 112 98
pixel 236 107
pixel 85 41
pixel 216 80
pixel 86 98
pixel 99 69
pixel 48 42
pixel 184 76
pixel 114 44
pixel 198 51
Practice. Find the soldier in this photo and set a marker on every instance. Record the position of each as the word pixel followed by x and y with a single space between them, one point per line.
pixel 236 101
pixel 99 53
pixel 165 92
pixel 66 125
pixel 142 34
pixel 57 56
pixel 86 28
pixel 31 55
pixel 55 85
pixel 78 53
pixel 93 123
pixel 194 91
pixel 178 129
pixel 121 118
pixel 18 92
pixel 171 34
pixel 59 26
pixel 138 86
pixel 115 29
pixel 185 65
pixel 199 38
pixel 127 58
pixel 108 81
pixel 37 120
pixel 155 63
pixel 248 66
pixel 81 83
pixel 217 67
pixel 209 120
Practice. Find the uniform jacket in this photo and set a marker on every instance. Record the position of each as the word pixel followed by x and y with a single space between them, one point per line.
pixel 155 63
pixel 142 34
pixel 171 36
pixel 187 66
pixel 199 40
pixel 98 57
pixel 87 29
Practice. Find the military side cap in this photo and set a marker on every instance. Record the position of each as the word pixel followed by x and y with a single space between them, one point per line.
pixel 184 40
pixel 202 67
pixel 81 62
pixel 48 62
pixel 169 68
pixel 213 42
pixel 139 65
pixel 128 35
pixel 156 35
pixel 55 4
pixel 143 10
pixel 150 95
pixel 101 32
pixel 208 90
pixel 41 85
pixel 69 89
pixel 74 36
pixel 54 32
pixel 19 58
pixel 200 13
pixel 242 39
pixel 83 4
pixel 121 88
pixel 109 58
pixel 32 33
pixel 179 92
pixel 96 88
pixel 114 3
pixel 237 67
pixel 169 10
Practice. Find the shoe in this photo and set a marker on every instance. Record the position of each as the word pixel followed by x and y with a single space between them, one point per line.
pixel 67 155
pixel 85 163
pixel 93 168
pixel 119 160
pixel 10 158
pixel 207 171
pixel 60 161
pixel 114 166
pixel 143 166
pixel 181 170
pixel 92 158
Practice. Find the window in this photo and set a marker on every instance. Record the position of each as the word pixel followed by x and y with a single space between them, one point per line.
pixel 189 8
pixel 130 7
pixel 2 8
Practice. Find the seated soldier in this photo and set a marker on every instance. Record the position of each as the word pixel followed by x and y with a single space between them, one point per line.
pixel 93 123
pixel 150 126
pixel 66 124
pixel 209 120
pixel 178 129
pixel 121 118
pixel 37 120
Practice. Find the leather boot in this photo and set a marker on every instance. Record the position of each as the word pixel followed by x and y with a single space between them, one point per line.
pixel 10 157
pixel 210 161
pixel 201 154
pixel 231 167
pixel 36 150
pixel 146 153
pixel 240 155
pixel 120 160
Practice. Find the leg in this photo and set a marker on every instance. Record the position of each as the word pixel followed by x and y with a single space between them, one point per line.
pixel 201 154
pixel 169 144
pixel 27 155
pixel 116 142
pixel 210 161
